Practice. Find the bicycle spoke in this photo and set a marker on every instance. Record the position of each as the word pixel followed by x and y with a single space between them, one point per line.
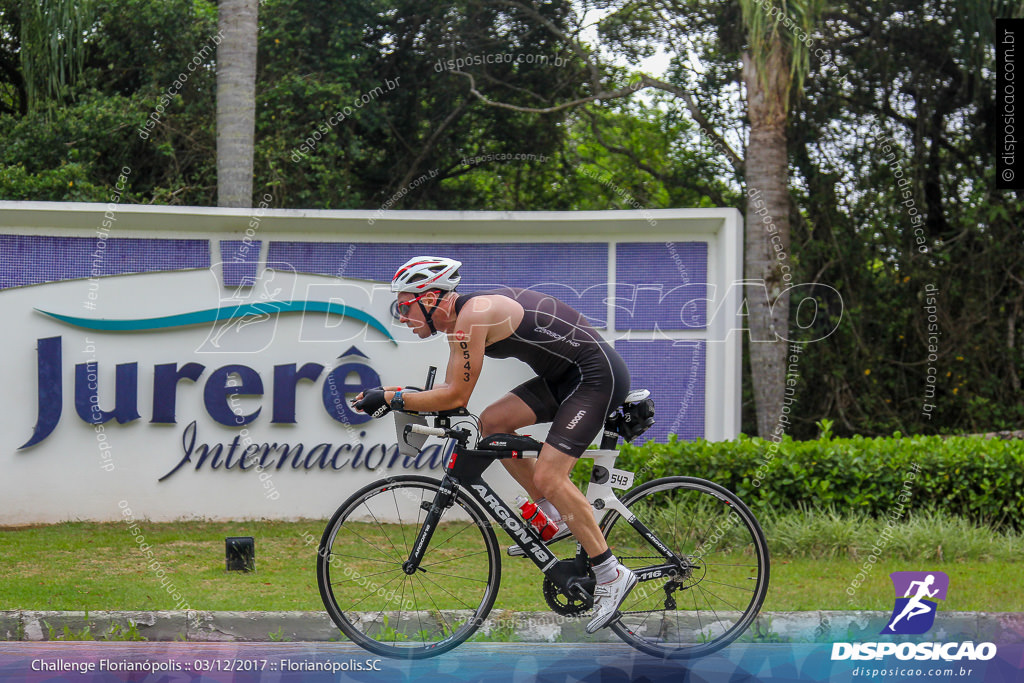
pixel 644 622
pixel 703 595
pixel 689 517
pixel 388 611
pixel 455 597
pixel 697 547
pixel 696 612
pixel 358 557
pixel 739 588
pixel 438 610
pixel 381 527
pixel 452 559
pixel 363 539
pixel 419 619
pixel 398 516
pixel 367 576
pixel 456 576
pixel 465 528
pixel 371 594
pixel 705 592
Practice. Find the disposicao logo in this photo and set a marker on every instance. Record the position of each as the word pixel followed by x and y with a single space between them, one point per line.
pixel 913 614
pixel 915 609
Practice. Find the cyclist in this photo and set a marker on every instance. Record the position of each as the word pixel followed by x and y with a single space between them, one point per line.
pixel 581 379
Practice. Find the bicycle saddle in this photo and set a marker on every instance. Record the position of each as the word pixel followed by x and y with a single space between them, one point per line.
pixel 636 396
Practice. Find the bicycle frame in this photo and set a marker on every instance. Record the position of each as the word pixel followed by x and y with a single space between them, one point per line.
pixel 569 584
pixel 464 470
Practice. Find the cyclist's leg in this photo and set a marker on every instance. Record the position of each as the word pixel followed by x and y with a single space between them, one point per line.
pixel 505 416
pixel 551 477
pixel 614 580
pixel 584 403
pixel 529 403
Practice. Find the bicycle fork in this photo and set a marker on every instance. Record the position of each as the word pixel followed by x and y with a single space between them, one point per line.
pixel 444 499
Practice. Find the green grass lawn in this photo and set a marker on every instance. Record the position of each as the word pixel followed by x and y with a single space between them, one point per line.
pixel 91 566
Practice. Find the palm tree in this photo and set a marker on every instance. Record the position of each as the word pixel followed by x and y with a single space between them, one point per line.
pixel 52 52
pixel 775 63
pixel 776 60
pixel 236 102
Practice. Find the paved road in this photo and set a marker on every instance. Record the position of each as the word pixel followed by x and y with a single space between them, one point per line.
pixel 472 662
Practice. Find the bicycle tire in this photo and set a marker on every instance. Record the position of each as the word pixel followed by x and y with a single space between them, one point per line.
pixel 417 616
pixel 735 551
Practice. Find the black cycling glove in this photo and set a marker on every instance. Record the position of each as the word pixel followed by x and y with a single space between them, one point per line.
pixel 373 403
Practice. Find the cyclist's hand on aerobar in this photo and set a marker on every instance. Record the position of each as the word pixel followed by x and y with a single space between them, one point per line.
pixel 372 402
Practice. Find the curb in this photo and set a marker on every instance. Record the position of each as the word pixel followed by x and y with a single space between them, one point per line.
pixel 530 627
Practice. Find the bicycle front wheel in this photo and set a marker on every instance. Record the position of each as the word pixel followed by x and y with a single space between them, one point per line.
pixel 705 605
pixel 366 590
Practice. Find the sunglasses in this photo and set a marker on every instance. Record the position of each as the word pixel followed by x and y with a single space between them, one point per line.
pixel 401 309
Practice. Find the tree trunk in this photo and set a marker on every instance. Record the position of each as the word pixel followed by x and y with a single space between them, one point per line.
pixel 767 235
pixel 236 102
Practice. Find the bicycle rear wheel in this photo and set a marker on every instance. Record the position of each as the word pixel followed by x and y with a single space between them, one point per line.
pixel 724 579
pixel 371 598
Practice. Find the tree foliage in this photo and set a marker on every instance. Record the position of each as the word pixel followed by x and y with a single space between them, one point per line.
pixel 898 200
pixel 890 136
pixel 324 71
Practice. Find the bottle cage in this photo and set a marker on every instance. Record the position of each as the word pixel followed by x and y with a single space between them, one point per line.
pixel 632 419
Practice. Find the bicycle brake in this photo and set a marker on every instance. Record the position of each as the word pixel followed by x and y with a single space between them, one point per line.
pixel 427 504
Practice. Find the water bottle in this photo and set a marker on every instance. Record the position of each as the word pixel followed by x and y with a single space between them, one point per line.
pixel 535 516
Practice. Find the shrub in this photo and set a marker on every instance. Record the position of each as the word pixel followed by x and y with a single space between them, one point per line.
pixel 979 479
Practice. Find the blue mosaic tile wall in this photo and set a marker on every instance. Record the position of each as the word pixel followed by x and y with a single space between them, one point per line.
pixel 576 273
pixel 241 261
pixel 647 274
pixel 673 371
pixel 34 259
pixel 661 285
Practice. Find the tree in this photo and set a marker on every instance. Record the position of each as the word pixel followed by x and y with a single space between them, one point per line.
pixel 896 184
pixel 775 65
pixel 774 61
pixel 356 108
pixel 236 101
pixel 53 34
pixel 891 192
pixel 315 57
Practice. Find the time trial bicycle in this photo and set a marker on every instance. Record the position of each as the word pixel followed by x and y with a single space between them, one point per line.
pixel 409 566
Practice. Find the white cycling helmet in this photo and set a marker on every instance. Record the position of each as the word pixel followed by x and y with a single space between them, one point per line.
pixel 424 273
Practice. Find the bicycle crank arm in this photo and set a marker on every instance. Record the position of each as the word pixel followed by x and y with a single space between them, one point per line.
pixel 578 588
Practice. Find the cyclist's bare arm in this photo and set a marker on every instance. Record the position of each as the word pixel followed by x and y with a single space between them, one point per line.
pixel 482 321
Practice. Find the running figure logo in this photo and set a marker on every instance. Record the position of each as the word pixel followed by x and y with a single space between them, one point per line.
pixel 914 613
